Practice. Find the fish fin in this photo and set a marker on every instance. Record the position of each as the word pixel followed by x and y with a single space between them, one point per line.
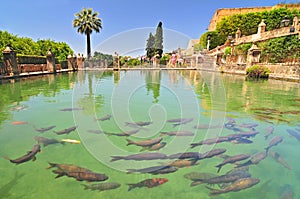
pixel 174 125
pixel 130 142
pixel 193 145
pixel 59 175
pixel 33 158
pixel 115 158
pixel 210 188
pixel 195 183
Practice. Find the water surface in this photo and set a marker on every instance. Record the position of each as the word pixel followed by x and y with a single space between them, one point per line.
pixel 142 96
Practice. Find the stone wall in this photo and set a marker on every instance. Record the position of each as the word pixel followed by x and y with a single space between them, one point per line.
pixel 224 12
pixel 280 71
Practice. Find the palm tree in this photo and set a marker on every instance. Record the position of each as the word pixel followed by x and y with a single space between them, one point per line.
pixel 86 21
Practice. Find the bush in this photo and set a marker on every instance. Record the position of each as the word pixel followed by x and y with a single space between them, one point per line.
pixel 257 71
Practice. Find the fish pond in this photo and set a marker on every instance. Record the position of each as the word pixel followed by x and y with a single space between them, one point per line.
pixel 149 134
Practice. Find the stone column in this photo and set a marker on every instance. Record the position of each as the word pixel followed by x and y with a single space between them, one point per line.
pixel 10 61
pixel 50 62
pixel 70 62
pixel 79 61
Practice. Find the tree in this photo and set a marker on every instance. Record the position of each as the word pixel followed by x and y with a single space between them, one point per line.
pixel 158 44
pixel 150 46
pixel 87 21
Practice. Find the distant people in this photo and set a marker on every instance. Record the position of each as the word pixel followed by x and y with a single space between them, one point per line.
pixel 173 59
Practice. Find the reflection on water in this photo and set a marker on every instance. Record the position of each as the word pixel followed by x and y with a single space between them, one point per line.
pixel 155 117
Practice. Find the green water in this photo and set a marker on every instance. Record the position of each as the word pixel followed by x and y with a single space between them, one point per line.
pixel 134 96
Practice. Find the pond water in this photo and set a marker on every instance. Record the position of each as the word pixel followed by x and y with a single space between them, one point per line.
pixel 208 104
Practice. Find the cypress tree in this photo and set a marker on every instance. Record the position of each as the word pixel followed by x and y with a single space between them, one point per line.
pixel 150 46
pixel 158 44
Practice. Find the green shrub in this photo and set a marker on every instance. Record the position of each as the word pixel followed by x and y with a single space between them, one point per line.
pixel 227 51
pixel 257 71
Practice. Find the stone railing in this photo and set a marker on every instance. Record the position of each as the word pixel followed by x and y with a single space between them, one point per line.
pixel 285 31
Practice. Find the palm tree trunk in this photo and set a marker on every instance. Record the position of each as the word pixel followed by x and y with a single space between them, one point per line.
pixel 88 43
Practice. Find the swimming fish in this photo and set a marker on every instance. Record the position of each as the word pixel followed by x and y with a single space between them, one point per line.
pixel 102 186
pixel 71 141
pixel 29 156
pixel 150 183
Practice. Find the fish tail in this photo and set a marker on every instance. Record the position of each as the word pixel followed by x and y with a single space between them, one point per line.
pixel 131 186
pixel 244 164
pixel 219 168
pixel 130 142
pixel 163 134
pixel 51 165
pixel 115 158
pixel 267 149
pixel 6 158
pixel 85 186
pixel 129 171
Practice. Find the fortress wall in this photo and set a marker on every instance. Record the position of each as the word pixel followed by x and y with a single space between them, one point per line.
pixel 224 12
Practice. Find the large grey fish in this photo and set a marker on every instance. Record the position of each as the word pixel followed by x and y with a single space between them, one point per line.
pixel 211 141
pixel 154 170
pixel 81 176
pixel 144 142
pixel 238 185
pixel 197 176
pixel 45 141
pixel 270 130
pixel 177 120
pixel 150 183
pixel 154 147
pixel 275 141
pixel 71 109
pixel 212 153
pixel 107 117
pixel 66 131
pixel 44 129
pixel 178 133
pixel 140 156
pixel 96 131
pixel 137 124
pixel 185 121
pixel 102 186
pixel 127 133
pixel 182 163
pixel 227 178
pixel 29 156
pixel 294 134
pixel 185 155
pixel 232 159
pixel 68 167
pixel 255 159
pixel 207 126
pixel 279 159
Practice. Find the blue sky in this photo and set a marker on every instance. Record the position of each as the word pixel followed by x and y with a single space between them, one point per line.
pixel 52 19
